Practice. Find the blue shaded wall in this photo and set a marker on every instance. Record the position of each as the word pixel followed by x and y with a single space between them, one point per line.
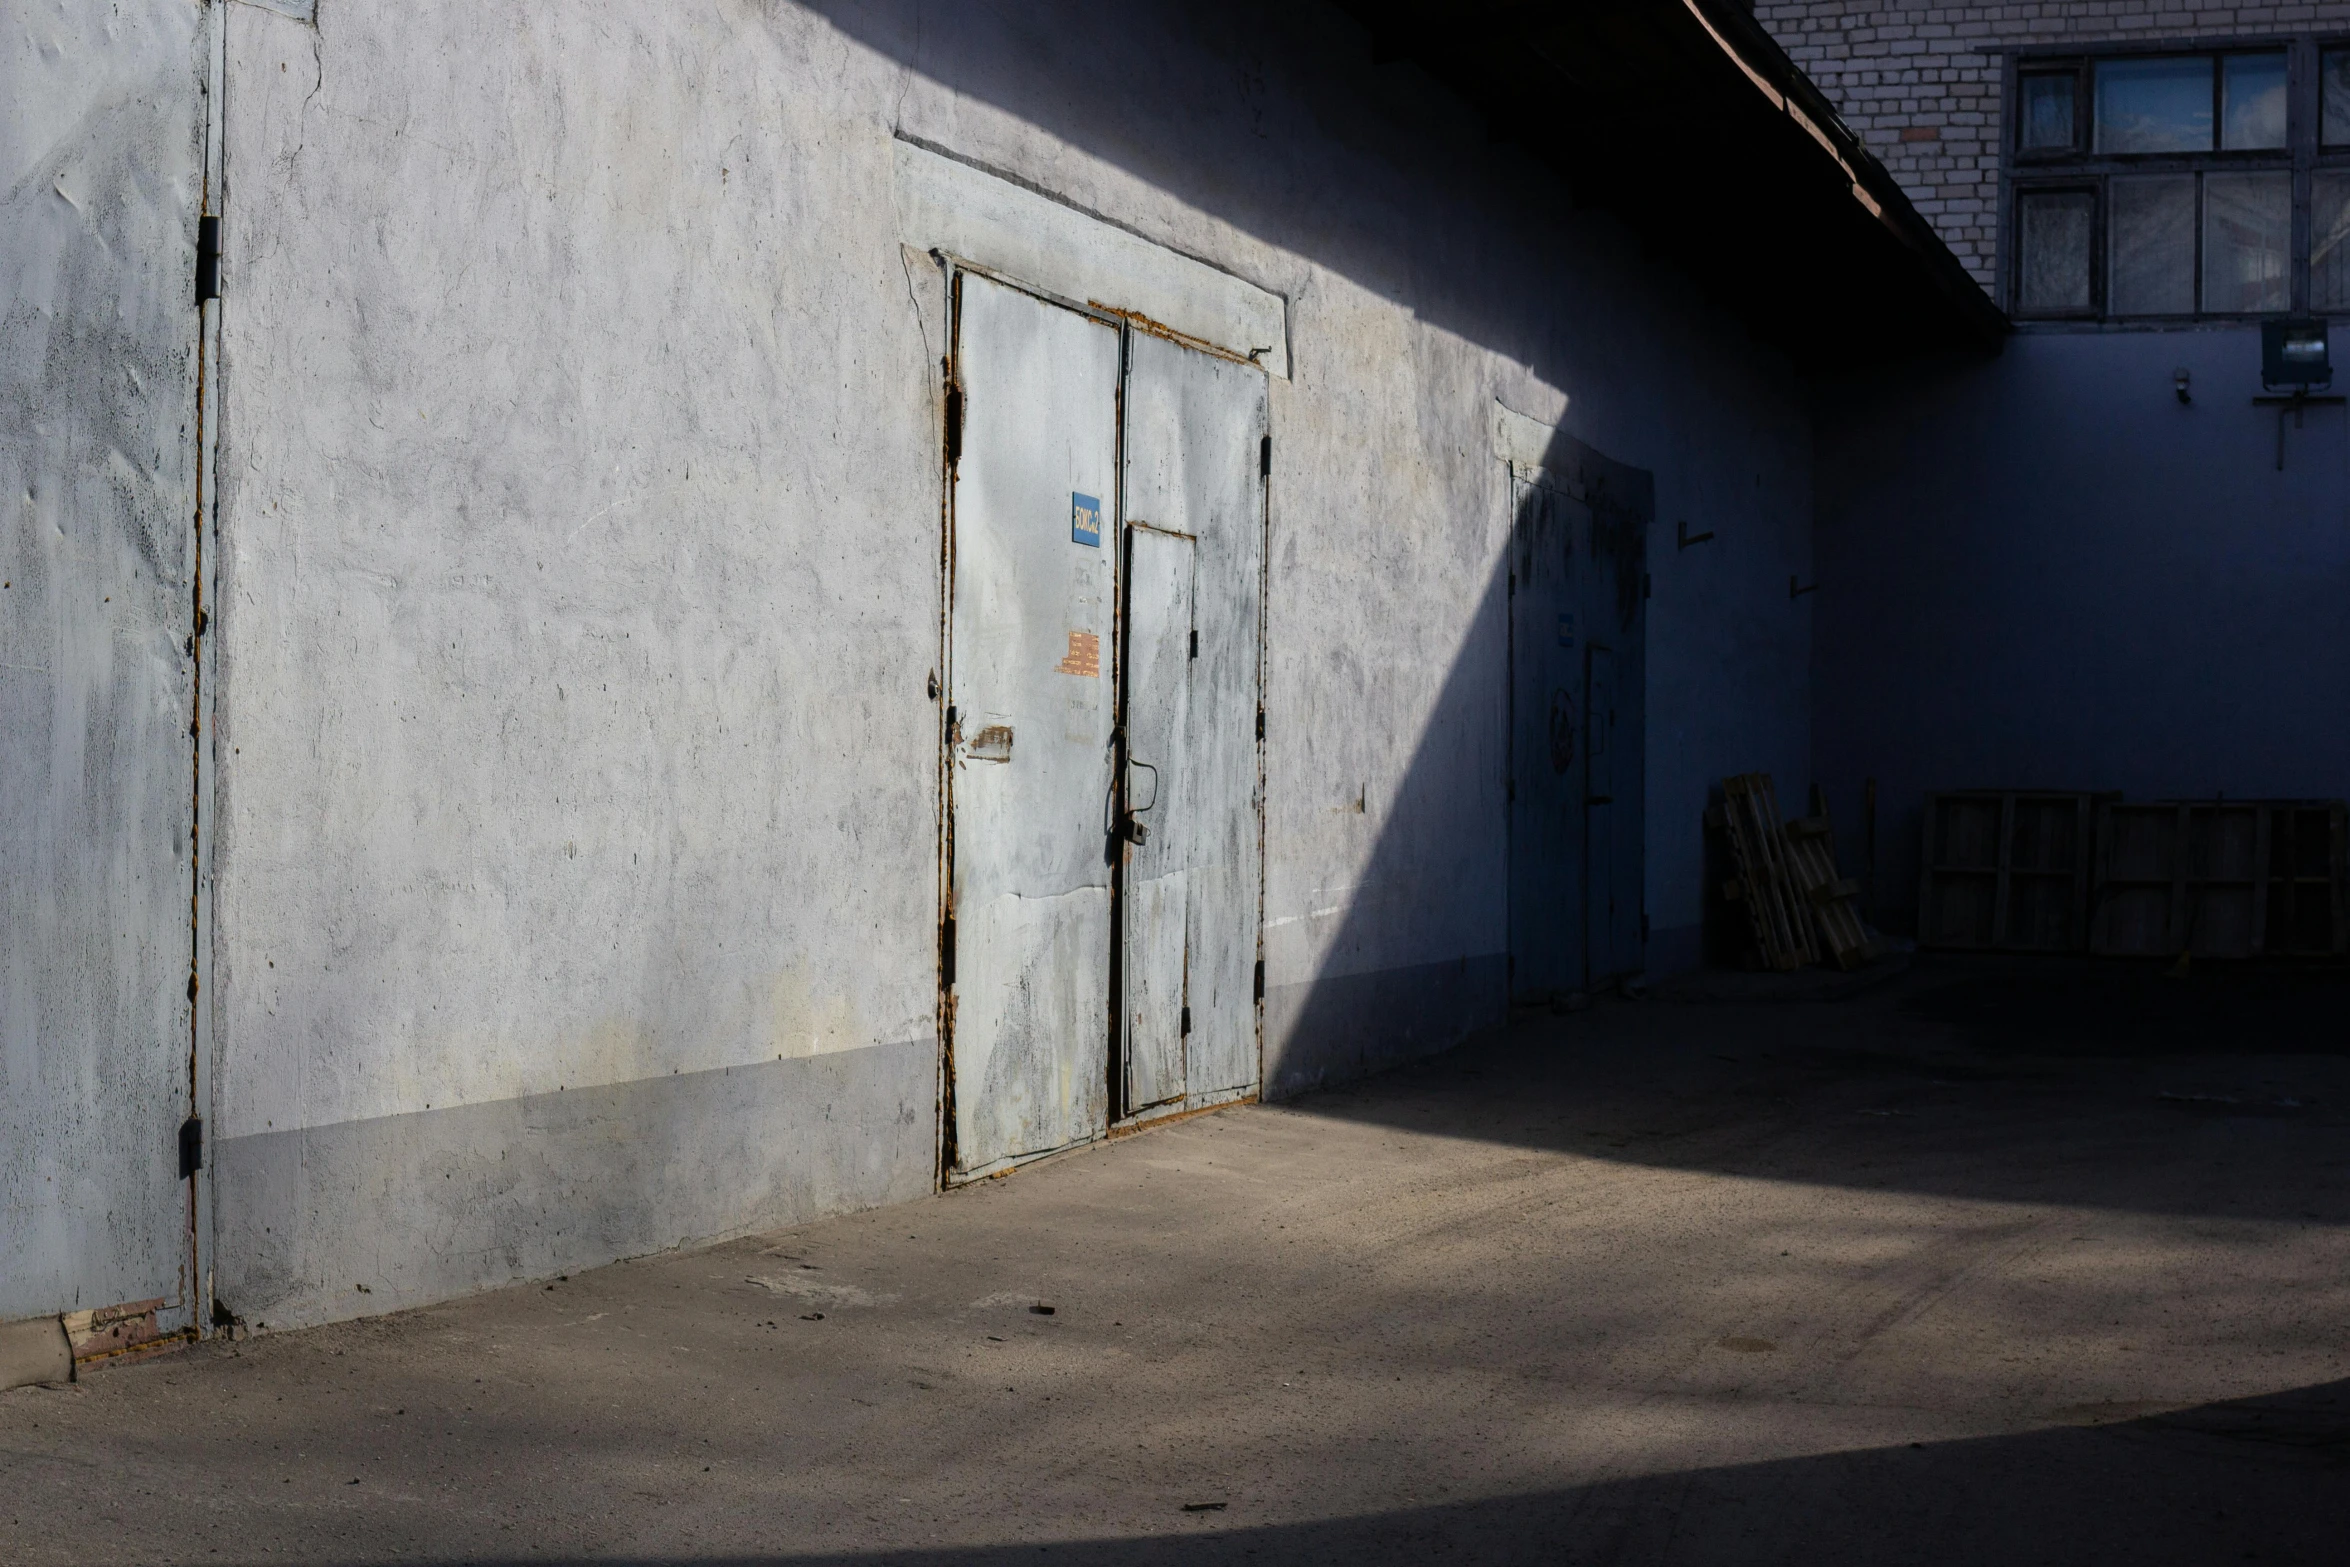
pixel 2044 571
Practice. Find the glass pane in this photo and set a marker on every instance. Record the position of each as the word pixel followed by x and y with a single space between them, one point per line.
pixel 2247 242
pixel 2151 246
pixel 2048 112
pixel 2052 273
pixel 2154 105
pixel 2335 77
pixel 2252 101
pixel 2329 240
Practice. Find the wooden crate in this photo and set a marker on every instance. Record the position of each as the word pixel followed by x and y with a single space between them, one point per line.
pixel 2220 879
pixel 2007 870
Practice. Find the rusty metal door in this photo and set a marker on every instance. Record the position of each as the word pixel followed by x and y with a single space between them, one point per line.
pixel 103 139
pixel 1197 445
pixel 1031 693
pixel 1549 624
pixel 1154 889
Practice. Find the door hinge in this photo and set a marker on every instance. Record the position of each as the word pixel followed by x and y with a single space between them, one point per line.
pixel 1644 926
pixel 207 259
pixel 1647 586
pixel 1265 457
pixel 954 424
pixel 1187 1022
pixel 946 953
pixel 1260 723
pixel 1260 979
pixel 1195 644
pixel 191 1146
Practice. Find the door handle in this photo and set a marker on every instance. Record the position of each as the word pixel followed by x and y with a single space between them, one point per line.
pixel 1154 772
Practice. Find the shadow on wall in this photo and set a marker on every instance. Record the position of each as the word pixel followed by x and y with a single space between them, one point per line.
pixel 2256 1478
pixel 1388 181
pixel 1360 144
pixel 1498 811
pixel 2050 571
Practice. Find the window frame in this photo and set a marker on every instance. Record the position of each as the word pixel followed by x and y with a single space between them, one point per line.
pixel 2026 171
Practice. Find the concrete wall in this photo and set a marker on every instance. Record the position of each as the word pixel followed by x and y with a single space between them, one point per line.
pixel 577 868
pixel 2044 571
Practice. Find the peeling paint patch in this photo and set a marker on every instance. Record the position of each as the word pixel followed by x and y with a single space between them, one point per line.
pixel 1084 656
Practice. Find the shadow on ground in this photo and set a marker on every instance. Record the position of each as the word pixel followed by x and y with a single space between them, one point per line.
pixel 2126 1087
pixel 1647 1283
pixel 2065 1007
pixel 2261 1479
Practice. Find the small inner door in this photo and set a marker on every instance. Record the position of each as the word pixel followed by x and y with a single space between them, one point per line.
pixel 1160 644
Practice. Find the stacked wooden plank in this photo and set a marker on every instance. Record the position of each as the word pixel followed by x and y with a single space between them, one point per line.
pixel 2006 870
pixel 2221 879
pixel 1832 900
pixel 1787 880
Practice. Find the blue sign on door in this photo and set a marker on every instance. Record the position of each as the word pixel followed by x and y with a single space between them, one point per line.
pixel 1085 519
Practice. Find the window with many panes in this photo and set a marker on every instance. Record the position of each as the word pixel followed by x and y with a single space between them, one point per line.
pixel 2194 182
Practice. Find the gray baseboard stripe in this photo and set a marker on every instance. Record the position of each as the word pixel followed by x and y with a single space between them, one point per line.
pixel 1326 1031
pixel 367 1216
pixel 34 1351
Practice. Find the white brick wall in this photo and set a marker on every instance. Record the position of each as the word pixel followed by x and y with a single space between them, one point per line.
pixel 1908 78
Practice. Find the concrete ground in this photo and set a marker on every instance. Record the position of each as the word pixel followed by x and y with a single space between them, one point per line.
pixel 1993 1264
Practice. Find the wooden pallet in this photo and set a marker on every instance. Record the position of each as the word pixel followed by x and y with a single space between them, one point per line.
pixel 1832 900
pixel 2221 879
pixel 1767 883
pixel 2006 870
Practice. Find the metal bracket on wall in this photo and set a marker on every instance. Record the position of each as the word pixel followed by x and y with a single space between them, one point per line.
pixel 1794 591
pixel 1683 538
pixel 2293 403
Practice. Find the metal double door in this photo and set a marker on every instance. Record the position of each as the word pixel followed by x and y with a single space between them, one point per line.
pixel 1102 780
pixel 1577 628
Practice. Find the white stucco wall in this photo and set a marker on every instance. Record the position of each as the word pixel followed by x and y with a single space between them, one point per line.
pixel 579 589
